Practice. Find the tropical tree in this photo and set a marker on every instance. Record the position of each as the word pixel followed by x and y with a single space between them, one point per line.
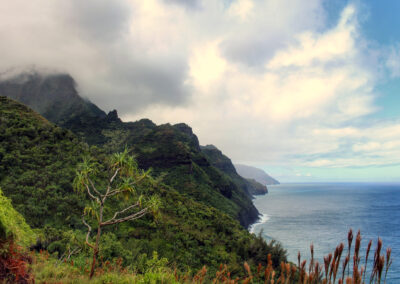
pixel 117 182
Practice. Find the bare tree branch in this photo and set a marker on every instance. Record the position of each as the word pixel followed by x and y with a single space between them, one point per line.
pixel 113 192
pixel 134 216
pixel 88 233
pixel 94 188
pixel 91 194
pixel 104 197
pixel 113 177
pixel 122 211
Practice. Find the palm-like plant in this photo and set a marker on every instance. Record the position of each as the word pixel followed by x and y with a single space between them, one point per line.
pixel 122 180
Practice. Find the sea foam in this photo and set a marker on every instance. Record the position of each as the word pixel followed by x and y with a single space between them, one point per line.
pixel 264 218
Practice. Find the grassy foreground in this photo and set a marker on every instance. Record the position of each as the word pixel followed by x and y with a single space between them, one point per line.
pixel 344 265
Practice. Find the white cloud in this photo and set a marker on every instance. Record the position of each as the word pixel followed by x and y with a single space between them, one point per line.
pixel 290 108
pixel 334 45
pixel 263 82
pixel 241 9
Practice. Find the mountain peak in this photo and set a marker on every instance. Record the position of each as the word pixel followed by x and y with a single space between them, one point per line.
pixel 52 95
pixel 113 116
pixel 184 128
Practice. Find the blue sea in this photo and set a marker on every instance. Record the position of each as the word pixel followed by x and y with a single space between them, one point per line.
pixel 297 215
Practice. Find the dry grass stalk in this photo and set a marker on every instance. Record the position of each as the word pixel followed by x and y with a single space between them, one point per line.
pixel 315 273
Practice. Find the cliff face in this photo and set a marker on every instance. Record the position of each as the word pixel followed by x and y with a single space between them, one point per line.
pixel 223 163
pixel 256 174
pixel 170 150
pixel 175 151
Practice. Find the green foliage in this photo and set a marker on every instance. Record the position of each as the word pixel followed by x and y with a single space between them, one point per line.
pixel 48 270
pixel 124 181
pixel 59 242
pixel 13 225
pixel 117 188
pixel 175 151
pixel 37 166
pixel 153 265
pixel 188 232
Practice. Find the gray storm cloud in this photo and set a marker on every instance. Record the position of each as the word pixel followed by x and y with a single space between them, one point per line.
pixel 102 44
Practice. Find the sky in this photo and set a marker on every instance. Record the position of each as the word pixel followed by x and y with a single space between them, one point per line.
pixel 306 90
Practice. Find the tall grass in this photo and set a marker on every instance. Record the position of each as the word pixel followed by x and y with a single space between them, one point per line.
pixel 345 265
pixel 341 267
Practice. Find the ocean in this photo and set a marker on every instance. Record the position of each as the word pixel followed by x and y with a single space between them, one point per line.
pixel 297 215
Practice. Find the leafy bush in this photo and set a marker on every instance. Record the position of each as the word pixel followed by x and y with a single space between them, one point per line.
pixel 13 225
pixel 14 232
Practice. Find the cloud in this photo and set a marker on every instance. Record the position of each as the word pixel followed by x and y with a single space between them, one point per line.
pixel 265 81
pixel 97 20
pixel 123 54
pixel 258 29
pixel 276 113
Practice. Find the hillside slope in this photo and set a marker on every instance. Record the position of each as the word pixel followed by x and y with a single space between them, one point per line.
pixel 170 149
pixel 37 165
pixel 38 162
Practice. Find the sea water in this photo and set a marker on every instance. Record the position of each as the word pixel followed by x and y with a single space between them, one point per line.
pixel 297 215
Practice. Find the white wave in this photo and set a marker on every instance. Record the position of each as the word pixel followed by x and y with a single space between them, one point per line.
pixel 264 218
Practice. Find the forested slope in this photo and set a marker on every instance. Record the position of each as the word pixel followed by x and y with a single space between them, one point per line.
pixel 170 149
pixel 38 161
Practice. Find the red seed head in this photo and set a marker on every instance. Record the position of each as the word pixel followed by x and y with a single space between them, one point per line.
pixel 350 237
pixel 388 253
pixel 379 246
pixel 358 244
pixel 368 249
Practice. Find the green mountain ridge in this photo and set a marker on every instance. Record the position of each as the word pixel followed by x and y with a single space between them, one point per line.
pixel 173 150
pixel 38 161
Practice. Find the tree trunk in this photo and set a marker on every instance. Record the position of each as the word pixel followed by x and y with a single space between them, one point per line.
pixel 95 252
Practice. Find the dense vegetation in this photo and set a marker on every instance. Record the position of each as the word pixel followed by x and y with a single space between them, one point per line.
pixel 14 233
pixel 38 163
